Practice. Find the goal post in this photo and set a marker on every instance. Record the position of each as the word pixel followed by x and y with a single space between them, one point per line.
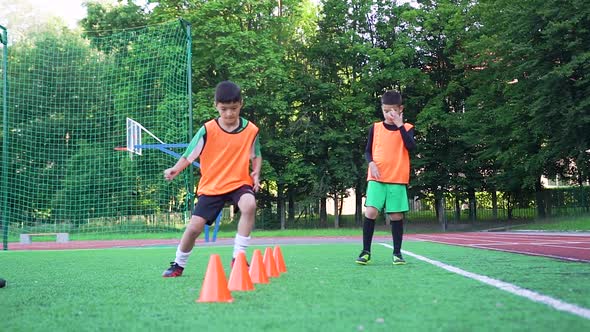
pixel 69 101
pixel 4 68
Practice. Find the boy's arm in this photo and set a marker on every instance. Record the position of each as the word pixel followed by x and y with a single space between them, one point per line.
pixel 408 138
pixel 369 147
pixel 180 165
pixel 193 151
pixel 369 155
pixel 256 158
pixel 256 166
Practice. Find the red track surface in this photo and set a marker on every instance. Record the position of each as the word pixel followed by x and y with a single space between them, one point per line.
pixel 173 242
pixel 571 247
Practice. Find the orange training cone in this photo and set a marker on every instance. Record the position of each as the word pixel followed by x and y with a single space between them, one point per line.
pixel 269 264
pixel 214 287
pixel 239 279
pixel 279 260
pixel 257 271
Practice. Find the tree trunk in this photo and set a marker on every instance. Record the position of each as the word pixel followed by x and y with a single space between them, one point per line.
pixel 442 219
pixel 472 205
pixel 281 204
pixel 539 199
pixel 323 212
pixel 358 207
pixel 291 209
pixel 494 205
pixel 336 212
pixel 457 208
pixel 508 206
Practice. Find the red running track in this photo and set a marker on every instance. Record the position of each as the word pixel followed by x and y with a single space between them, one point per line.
pixel 103 244
pixel 570 247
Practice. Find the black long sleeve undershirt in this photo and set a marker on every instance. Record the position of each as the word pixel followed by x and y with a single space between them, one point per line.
pixel 407 137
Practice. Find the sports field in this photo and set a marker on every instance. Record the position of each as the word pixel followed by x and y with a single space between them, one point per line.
pixel 442 288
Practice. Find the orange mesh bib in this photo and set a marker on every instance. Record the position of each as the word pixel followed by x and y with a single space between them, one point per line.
pixel 225 159
pixel 390 155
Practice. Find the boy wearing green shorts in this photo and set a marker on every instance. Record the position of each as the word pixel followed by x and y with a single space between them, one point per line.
pixel 387 153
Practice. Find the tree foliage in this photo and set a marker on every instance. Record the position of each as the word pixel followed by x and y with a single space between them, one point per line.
pixel 498 91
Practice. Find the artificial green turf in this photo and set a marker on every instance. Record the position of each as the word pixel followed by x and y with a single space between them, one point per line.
pixel 561 224
pixel 323 290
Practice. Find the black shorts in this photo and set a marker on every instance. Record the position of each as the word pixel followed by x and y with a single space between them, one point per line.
pixel 209 206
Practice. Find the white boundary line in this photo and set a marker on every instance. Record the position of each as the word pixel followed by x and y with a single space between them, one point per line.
pixel 505 286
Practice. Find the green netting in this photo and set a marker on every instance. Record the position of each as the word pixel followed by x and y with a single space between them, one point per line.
pixel 68 100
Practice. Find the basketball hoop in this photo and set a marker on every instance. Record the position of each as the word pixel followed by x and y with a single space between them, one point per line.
pixel 135 144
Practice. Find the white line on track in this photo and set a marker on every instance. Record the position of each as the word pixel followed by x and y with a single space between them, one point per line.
pixel 505 286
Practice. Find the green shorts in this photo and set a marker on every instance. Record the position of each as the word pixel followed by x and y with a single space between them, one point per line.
pixel 394 197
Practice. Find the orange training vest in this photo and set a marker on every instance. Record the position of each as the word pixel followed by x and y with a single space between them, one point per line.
pixel 225 159
pixel 390 155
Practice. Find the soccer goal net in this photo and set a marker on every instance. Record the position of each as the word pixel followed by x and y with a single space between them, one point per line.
pixel 66 164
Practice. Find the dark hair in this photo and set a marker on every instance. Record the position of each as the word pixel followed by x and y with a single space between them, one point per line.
pixel 227 92
pixel 391 98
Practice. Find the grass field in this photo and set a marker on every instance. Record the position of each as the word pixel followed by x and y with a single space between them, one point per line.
pixel 560 224
pixel 323 290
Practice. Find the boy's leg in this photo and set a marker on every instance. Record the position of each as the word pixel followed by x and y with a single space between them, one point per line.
pixel 371 214
pixel 187 242
pixel 247 205
pixel 375 201
pixel 204 212
pixel 368 231
pixel 397 204
pixel 185 248
pixel 397 232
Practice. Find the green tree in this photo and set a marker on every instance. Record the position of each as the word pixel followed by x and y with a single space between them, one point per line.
pixel 533 57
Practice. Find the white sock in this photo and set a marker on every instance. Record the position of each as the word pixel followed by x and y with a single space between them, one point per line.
pixel 240 244
pixel 182 257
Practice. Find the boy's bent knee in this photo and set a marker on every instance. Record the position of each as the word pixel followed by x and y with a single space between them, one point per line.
pixel 247 203
pixel 196 224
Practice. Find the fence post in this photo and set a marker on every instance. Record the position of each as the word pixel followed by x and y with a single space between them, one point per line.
pixel 5 130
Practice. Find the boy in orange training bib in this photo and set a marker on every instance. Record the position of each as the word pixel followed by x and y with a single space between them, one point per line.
pixel 387 153
pixel 225 147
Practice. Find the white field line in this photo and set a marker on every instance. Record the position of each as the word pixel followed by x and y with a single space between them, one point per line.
pixel 505 286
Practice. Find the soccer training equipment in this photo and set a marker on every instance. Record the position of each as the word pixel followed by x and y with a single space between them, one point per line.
pixel 70 98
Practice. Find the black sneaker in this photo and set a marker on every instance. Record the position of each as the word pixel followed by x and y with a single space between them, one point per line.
pixel 398 259
pixel 364 258
pixel 173 271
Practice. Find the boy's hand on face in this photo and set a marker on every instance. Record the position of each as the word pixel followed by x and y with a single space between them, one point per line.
pixel 374 170
pixel 397 118
pixel 256 178
pixel 393 114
